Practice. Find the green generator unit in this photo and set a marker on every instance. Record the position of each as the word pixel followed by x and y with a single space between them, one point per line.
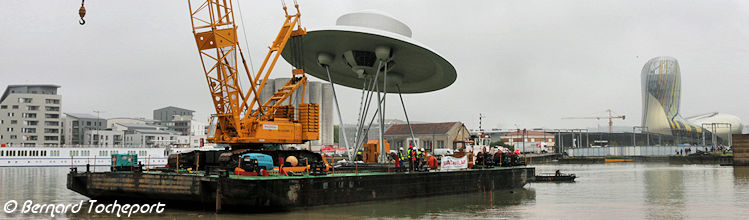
pixel 125 162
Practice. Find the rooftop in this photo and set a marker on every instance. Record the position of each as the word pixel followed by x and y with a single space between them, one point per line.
pixel 82 116
pixel 149 131
pixel 8 89
pixel 184 109
pixel 423 128
pixel 138 126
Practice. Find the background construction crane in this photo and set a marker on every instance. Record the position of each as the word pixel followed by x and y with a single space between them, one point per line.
pixel 611 118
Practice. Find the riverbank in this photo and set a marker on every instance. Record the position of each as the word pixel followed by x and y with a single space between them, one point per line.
pixel 695 159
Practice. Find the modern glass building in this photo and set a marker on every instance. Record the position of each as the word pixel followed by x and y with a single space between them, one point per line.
pixel 661 96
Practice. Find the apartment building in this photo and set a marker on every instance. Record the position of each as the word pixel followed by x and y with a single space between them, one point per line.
pixel 30 116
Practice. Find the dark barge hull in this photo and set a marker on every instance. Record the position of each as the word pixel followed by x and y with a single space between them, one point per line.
pixel 264 194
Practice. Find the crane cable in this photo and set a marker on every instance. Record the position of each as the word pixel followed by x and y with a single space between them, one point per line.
pixel 82 12
pixel 249 54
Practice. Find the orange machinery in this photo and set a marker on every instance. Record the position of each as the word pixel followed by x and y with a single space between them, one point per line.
pixel 372 150
pixel 242 120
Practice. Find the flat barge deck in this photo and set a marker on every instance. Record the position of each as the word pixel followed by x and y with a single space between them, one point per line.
pixel 279 193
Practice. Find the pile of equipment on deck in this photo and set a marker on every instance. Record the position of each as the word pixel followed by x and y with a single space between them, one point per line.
pixel 303 162
pixel 500 158
pixel 250 162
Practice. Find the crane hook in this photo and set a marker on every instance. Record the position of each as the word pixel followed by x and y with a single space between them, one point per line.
pixel 82 12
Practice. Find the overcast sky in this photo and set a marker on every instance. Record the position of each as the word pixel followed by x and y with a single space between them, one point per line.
pixel 524 63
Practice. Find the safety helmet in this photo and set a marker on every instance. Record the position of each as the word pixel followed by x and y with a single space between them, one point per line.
pixel 401 148
pixel 422 149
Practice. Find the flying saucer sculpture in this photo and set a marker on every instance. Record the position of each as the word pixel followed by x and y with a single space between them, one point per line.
pixel 363 41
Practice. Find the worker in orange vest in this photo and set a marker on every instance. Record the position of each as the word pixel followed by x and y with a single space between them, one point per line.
pixel 433 162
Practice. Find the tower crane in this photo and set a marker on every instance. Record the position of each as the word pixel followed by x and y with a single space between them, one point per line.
pixel 610 117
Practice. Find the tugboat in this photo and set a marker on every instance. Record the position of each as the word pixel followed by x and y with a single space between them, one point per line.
pixel 555 177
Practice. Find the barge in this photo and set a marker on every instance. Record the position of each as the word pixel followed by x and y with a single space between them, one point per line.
pixel 281 193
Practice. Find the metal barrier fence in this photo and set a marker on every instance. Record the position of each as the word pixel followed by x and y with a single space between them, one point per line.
pixel 631 151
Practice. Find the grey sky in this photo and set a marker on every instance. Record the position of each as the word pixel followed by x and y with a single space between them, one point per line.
pixel 520 62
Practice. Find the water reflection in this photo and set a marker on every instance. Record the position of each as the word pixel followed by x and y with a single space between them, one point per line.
pixel 475 205
pixel 664 193
pixel 602 191
pixel 430 206
pixel 741 175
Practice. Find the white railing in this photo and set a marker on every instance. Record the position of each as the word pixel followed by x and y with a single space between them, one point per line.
pixel 91 146
pixel 633 151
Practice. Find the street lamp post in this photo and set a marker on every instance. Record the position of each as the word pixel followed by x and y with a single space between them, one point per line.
pixel 524 137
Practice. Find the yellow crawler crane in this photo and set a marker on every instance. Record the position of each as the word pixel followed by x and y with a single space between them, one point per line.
pixel 241 119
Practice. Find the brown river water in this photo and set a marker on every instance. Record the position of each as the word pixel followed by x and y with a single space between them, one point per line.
pixel 602 191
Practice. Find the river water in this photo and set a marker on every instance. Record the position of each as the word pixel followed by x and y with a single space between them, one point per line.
pixel 602 191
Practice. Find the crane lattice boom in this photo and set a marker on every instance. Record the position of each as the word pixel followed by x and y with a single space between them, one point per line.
pixel 240 117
